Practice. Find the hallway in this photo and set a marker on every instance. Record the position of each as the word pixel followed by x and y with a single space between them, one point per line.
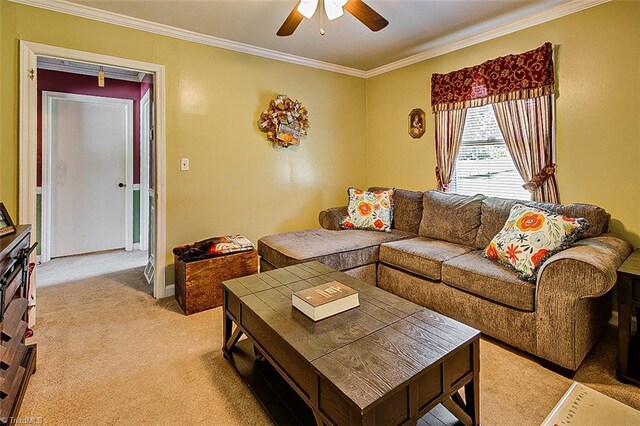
pixel 73 268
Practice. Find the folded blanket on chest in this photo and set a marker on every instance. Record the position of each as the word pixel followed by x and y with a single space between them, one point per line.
pixel 212 247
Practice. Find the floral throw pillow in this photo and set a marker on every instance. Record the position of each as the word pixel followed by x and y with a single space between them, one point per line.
pixel 369 210
pixel 532 235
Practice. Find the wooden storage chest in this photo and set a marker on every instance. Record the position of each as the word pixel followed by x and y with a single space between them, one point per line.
pixel 199 283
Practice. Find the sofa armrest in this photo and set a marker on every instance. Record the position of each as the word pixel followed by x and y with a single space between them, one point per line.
pixel 586 269
pixel 331 218
pixel 572 307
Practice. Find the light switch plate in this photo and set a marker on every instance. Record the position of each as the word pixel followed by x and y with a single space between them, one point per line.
pixel 184 164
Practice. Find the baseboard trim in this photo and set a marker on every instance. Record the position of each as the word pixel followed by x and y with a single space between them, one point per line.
pixel 170 290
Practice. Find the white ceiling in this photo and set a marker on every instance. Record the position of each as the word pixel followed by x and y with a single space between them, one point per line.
pixel 414 26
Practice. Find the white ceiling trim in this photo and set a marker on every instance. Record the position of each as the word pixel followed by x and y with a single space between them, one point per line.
pixel 459 40
pixel 472 36
pixel 167 30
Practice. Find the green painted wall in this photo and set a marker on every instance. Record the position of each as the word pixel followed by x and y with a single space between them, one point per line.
pixel 136 216
pixel 38 230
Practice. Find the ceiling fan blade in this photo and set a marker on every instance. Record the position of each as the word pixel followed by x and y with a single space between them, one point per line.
pixel 291 23
pixel 363 13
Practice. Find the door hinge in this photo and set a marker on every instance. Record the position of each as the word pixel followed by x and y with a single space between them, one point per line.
pixel 151 135
pixel 32 74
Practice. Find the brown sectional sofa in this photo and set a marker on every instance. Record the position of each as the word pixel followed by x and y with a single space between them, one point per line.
pixel 433 256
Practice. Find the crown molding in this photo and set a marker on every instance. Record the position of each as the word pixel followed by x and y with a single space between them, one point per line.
pixel 169 31
pixel 479 33
pixel 459 40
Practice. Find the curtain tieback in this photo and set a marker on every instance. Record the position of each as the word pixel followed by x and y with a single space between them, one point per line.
pixel 441 185
pixel 537 181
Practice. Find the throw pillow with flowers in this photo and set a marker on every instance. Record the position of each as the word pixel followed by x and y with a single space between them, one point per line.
pixel 371 210
pixel 530 236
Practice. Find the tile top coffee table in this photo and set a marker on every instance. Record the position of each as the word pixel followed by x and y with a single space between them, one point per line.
pixel 387 362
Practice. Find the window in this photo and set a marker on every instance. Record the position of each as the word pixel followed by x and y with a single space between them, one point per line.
pixel 484 165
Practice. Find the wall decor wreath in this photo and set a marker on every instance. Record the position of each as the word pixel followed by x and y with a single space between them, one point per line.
pixel 285 122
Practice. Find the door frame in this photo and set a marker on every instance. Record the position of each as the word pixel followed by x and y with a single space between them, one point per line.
pixel 145 127
pixel 29 51
pixel 48 97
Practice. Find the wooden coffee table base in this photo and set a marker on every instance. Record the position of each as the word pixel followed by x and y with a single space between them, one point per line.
pixel 279 400
pixel 388 362
pixel 286 407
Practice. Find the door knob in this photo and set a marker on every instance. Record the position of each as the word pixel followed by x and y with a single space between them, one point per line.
pixel 121 185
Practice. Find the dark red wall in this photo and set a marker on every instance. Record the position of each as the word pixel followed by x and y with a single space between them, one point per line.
pixel 146 85
pixel 56 81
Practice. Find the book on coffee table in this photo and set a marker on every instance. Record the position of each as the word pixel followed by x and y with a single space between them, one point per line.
pixel 325 300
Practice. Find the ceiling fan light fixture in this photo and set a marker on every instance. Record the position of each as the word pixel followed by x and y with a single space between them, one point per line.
pixel 333 8
pixel 307 8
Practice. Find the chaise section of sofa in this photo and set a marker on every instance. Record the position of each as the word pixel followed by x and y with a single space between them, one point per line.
pixel 355 252
pixel 434 257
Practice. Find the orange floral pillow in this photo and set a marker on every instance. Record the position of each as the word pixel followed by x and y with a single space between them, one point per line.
pixel 532 235
pixel 369 210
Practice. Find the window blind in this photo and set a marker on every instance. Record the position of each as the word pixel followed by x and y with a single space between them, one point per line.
pixel 484 165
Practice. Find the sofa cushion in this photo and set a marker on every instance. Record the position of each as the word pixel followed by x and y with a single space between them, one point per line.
pixel 407 209
pixel 451 217
pixel 495 212
pixel 475 274
pixel 422 256
pixel 597 217
pixel 338 249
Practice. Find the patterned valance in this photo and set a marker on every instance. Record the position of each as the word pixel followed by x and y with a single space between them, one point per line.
pixel 522 76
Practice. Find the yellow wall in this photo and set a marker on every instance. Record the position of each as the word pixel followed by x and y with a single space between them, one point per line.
pixel 358 134
pixel 237 183
pixel 598 110
pixel 1 103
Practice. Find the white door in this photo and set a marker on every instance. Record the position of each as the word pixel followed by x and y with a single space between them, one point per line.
pixel 86 179
pixel 145 137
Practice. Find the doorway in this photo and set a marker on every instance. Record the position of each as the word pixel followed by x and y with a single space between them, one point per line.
pixel 87 163
pixel 102 132
pixel 155 169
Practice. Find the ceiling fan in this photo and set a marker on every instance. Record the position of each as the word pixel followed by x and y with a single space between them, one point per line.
pixel 333 9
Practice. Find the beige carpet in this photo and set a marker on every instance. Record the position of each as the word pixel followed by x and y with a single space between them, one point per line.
pixel 108 353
